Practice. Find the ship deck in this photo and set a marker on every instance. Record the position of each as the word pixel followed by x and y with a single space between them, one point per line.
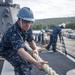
pixel 56 60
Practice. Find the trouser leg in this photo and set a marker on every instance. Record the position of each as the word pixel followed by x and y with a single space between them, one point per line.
pixel 48 46
pixel 54 44
pixel 23 70
pixel 50 42
pixel 54 47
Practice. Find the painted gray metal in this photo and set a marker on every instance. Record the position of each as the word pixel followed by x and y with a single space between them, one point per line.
pixel 8 12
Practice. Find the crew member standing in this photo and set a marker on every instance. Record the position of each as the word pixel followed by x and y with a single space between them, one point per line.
pixel 54 35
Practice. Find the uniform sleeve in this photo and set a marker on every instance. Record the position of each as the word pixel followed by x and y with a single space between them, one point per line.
pixel 30 36
pixel 16 42
pixel 60 31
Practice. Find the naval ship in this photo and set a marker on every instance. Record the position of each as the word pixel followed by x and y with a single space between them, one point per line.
pixel 8 12
pixel 62 61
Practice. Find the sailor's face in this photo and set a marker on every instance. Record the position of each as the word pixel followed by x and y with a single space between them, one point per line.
pixel 25 25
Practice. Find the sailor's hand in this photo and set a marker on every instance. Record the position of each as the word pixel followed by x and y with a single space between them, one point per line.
pixel 36 51
pixel 39 64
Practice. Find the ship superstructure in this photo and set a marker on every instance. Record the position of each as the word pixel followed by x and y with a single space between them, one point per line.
pixel 8 12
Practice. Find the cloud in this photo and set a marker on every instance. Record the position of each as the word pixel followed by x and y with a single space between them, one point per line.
pixel 49 8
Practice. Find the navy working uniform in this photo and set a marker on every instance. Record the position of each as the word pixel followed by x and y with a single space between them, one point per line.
pixel 13 39
pixel 39 37
pixel 42 36
pixel 53 38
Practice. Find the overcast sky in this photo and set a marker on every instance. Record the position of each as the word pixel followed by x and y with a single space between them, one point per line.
pixel 49 8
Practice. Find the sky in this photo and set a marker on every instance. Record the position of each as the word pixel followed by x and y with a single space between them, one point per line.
pixel 49 8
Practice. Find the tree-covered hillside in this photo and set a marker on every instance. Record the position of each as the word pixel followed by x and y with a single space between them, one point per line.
pixel 51 22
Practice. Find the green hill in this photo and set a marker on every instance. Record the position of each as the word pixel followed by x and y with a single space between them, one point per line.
pixel 54 21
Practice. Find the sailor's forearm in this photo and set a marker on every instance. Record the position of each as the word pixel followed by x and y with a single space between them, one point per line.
pixel 26 56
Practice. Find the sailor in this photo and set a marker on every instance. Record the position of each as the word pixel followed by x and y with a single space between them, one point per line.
pixel 54 35
pixel 42 37
pixel 13 43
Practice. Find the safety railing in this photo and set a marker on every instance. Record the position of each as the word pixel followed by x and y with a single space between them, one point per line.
pixel 69 46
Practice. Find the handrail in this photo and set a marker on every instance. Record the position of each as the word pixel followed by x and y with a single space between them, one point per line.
pixel 69 44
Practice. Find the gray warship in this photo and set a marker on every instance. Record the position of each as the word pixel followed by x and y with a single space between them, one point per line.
pixel 8 12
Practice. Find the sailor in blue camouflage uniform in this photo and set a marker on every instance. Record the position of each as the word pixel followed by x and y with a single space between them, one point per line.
pixel 13 43
pixel 54 35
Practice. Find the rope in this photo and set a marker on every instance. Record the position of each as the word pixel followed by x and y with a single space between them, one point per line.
pixel 45 67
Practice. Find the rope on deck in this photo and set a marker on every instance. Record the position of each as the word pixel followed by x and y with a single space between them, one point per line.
pixel 45 67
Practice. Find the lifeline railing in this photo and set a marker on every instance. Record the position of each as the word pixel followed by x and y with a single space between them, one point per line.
pixel 69 45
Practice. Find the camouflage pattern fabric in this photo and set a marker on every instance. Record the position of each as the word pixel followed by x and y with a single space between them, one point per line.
pixel 12 40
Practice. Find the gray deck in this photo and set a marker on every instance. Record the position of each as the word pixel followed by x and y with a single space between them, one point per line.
pixel 59 62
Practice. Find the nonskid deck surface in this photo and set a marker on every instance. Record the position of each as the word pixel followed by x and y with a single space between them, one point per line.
pixel 57 61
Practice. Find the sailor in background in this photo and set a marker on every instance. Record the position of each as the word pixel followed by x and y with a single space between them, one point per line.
pixel 42 37
pixel 54 35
